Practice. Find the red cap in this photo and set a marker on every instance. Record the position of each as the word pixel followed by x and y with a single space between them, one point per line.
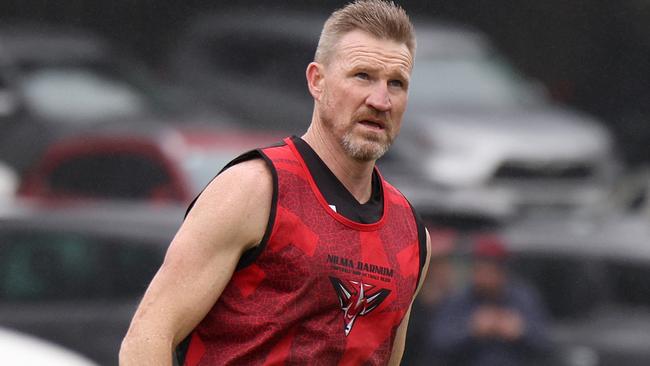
pixel 490 247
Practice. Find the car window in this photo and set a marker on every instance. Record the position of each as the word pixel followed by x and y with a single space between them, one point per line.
pixel 262 59
pixel 109 175
pixel 40 266
pixel 78 94
pixel 131 266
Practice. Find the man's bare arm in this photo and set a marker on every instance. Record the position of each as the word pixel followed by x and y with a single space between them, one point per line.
pixel 229 217
pixel 400 337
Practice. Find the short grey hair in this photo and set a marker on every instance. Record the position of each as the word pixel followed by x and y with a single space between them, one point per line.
pixel 382 19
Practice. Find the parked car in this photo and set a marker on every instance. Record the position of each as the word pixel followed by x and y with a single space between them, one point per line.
pixel 479 126
pixel 145 163
pixel 55 80
pixel 250 65
pixel 73 274
pixel 475 129
pixel 597 294
pixel 24 350
pixel 621 220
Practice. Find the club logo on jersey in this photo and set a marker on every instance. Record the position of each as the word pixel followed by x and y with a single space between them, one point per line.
pixel 357 299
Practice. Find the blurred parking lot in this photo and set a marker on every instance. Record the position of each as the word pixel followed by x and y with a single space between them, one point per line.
pixel 111 124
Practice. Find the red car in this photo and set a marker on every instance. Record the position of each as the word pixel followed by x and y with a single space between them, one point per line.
pixel 161 164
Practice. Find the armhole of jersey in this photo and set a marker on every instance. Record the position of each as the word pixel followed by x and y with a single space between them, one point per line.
pixel 249 256
pixel 422 242
pixel 181 350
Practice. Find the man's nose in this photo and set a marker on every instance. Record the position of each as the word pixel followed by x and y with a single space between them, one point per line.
pixel 379 98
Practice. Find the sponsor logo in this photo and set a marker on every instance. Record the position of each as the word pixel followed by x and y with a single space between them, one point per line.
pixel 359 268
pixel 357 299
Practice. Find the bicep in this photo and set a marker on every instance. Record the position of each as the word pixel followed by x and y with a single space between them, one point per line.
pixel 229 218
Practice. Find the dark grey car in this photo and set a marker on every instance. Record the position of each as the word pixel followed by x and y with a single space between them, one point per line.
pixel 74 274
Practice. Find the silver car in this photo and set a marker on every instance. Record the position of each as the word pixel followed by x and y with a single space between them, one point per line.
pixel 479 127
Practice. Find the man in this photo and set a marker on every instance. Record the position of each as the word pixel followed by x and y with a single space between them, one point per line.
pixel 300 253
pixel 496 321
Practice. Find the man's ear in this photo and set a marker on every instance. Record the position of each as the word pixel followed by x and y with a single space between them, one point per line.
pixel 315 79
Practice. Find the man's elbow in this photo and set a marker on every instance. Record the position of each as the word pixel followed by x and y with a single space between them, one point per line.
pixel 127 349
pixel 137 348
pixel 131 345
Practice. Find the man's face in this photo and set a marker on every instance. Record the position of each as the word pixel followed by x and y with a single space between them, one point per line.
pixel 489 277
pixel 364 93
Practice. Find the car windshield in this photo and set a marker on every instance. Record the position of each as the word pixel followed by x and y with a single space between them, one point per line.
pixel 462 81
pixel 86 92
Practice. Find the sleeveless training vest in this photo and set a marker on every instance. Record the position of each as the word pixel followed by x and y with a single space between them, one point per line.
pixel 320 289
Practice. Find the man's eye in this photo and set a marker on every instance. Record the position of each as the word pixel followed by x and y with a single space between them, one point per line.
pixel 362 75
pixel 396 83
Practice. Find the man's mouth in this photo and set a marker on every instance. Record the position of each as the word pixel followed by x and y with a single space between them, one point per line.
pixel 375 125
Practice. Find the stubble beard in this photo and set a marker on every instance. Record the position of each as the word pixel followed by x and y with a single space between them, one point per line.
pixel 358 146
pixel 365 148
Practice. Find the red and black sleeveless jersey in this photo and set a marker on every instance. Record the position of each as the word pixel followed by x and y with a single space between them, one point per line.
pixel 320 289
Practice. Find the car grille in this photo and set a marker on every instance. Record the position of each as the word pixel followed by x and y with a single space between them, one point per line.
pixel 551 171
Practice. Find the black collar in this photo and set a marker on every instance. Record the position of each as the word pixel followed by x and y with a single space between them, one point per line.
pixel 335 192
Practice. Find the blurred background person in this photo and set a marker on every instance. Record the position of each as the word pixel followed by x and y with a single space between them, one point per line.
pixel 496 320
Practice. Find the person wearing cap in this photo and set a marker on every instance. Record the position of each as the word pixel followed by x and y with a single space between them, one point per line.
pixel 496 320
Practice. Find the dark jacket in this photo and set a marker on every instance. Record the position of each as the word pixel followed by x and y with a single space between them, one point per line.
pixel 451 334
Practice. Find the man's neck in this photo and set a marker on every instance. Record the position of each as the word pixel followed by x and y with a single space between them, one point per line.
pixel 355 175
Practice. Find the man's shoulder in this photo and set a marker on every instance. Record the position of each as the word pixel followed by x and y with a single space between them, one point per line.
pixel 240 196
pixel 250 167
pixel 251 173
